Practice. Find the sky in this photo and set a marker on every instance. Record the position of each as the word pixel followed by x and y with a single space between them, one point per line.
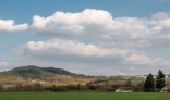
pixel 94 37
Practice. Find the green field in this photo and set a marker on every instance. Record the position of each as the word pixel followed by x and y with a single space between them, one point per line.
pixel 83 96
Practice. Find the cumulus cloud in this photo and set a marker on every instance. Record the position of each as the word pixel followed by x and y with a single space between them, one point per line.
pixel 73 47
pixel 99 23
pixel 10 26
pixel 67 48
pixel 138 58
pixel 84 24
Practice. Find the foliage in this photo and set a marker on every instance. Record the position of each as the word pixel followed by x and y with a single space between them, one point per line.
pixel 160 80
pixel 149 85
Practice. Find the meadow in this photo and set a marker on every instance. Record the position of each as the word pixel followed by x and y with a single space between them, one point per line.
pixel 82 96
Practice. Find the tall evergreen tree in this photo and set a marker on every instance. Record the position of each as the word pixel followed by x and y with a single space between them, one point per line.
pixel 149 85
pixel 160 80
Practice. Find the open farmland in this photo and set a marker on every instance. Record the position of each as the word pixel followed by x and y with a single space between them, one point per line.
pixel 83 96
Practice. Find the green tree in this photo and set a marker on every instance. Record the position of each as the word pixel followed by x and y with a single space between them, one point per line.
pixel 149 85
pixel 160 80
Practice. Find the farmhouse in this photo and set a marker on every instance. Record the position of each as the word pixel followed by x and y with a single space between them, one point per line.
pixel 125 89
pixel 165 89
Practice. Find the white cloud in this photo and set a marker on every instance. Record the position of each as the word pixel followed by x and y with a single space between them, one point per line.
pixel 91 59
pixel 10 26
pixel 98 24
pixel 85 23
pixel 4 63
pixel 138 58
pixel 160 16
pixel 73 47
pixel 68 20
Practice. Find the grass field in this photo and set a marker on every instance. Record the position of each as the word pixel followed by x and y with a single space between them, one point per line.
pixel 83 96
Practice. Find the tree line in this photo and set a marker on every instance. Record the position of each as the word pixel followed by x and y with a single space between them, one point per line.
pixel 151 84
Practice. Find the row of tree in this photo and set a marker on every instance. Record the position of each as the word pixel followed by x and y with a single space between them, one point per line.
pixel 151 84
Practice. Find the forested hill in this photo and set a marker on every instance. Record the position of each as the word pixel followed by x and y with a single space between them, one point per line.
pixel 36 71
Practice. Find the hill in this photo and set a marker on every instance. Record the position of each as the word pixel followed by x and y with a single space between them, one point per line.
pixel 33 71
pixel 49 75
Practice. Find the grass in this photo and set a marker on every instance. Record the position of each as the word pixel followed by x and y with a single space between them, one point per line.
pixel 83 96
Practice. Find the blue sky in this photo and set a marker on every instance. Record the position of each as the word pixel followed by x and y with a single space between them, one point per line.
pixel 19 46
pixel 27 8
